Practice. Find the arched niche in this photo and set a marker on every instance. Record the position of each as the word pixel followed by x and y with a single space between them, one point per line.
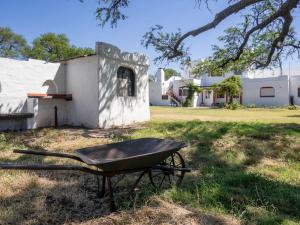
pixel 52 87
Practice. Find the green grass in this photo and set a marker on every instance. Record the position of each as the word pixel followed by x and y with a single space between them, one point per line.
pixel 249 170
pixel 276 115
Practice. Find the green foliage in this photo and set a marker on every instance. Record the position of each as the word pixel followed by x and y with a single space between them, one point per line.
pixel 207 66
pixel 54 47
pixel 263 37
pixel 12 45
pixel 110 11
pixel 192 89
pixel 255 54
pixel 164 44
pixel 232 173
pixel 169 72
pixel 231 87
pixel 232 106
pixel 292 107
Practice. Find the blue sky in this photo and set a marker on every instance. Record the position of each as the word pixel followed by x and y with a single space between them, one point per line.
pixel 77 20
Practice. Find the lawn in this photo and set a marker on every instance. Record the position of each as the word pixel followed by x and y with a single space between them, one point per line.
pixel 278 115
pixel 245 170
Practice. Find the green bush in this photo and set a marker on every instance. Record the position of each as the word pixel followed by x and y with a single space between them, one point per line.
pixel 292 107
pixel 251 106
pixel 232 106
pixel 220 105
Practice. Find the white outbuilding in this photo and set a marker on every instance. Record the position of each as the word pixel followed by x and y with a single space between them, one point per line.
pixel 109 88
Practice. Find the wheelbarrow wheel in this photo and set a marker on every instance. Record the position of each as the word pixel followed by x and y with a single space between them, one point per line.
pixel 165 179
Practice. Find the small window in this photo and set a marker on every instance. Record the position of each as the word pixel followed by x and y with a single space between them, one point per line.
pixel 299 92
pixel 267 92
pixel 185 92
pixel 164 97
pixel 125 82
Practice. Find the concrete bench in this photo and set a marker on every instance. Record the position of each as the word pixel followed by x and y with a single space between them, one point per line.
pixel 15 116
pixel 14 121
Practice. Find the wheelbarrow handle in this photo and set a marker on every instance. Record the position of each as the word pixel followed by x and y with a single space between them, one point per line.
pixel 11 166
pixel 46 153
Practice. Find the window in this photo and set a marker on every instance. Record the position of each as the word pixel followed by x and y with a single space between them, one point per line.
pixel 267 92
pixel 299 92
pixel 125 82
pixel 164 97
pixel 183 91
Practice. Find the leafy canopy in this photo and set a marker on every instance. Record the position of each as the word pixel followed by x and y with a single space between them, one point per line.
pixel 263 36
pixel 54 47
pixel 169 72
pixel 231 86
pixel 12 45
pixel 48 47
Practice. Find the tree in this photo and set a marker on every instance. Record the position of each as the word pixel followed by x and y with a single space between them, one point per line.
pixel 54 47
pixel 231 87
pixel 264 35
pixel 169 72
pixel 12 45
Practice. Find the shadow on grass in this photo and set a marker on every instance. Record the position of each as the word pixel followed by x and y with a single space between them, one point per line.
pixel 295 116
pixel 220 154
pixel 220 180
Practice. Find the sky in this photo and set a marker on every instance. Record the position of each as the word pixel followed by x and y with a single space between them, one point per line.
pixel 77 20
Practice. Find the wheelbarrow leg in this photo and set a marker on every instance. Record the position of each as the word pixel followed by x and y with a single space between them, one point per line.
pixel 102 192
pixel 103 185
pixel 111 195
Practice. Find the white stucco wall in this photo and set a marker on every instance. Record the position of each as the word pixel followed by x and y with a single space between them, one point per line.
pixel 17 78
pixel 251 91
pixel 294 85
pixel 115 110
pixel 155 95
pixel 82 83
pixel 44 112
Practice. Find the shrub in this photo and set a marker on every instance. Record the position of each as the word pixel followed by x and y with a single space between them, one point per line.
pixel 292 107
pixel 220 105
pixel 232 106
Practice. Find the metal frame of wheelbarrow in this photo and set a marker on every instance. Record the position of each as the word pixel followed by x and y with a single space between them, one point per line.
pixel 105 175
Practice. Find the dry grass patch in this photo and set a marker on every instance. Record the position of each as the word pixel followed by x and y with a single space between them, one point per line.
pixel 162 212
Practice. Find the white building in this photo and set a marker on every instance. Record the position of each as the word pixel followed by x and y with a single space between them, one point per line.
pixel 261 88
pixel 103 90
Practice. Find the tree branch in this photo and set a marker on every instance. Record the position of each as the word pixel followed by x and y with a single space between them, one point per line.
pixel 230 10
pixel 277 43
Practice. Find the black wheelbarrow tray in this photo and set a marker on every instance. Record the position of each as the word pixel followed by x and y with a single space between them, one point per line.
pixel 159 158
